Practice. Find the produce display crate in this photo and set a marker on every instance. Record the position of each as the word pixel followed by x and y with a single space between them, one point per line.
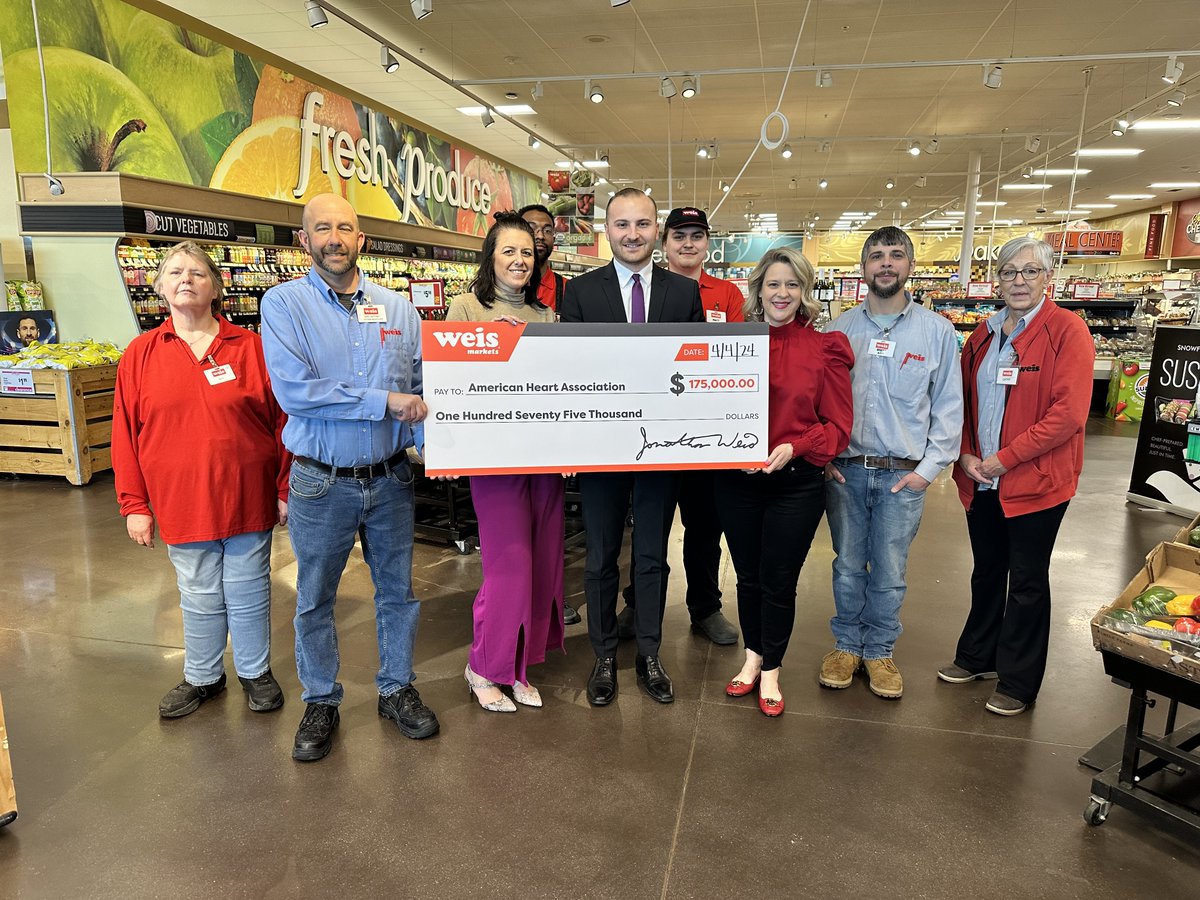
pixel 1147 776
pixel 1172 565
pixel 1181 536
pixel 63 428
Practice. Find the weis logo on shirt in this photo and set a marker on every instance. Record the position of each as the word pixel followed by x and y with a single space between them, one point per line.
pixel 908 356
pixel 468 341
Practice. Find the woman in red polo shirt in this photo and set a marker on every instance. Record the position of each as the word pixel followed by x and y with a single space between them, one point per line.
pixel 771 514
pixel 196 446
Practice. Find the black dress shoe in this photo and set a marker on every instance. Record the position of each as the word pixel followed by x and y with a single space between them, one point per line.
pixel 717 629
pixel 185 698
pixel 602 685
pixel 571 615
pixel 654 679
pixel 262 693
pixel 625 626
pixel 414 719
pixel 314 737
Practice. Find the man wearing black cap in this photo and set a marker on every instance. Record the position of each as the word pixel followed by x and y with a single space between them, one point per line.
pixel 685 243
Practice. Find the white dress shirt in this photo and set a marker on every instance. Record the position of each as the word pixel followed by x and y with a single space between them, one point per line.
pixel 625 280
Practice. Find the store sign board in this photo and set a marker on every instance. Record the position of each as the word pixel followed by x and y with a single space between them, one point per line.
pixel 743 249
pixel 979 290
pixel 1086 242
pixel 1186 239
pixel 1166 463
pixel 1155 225
pixel 162 224
pixel 1085 290
pixel 426 294
pixel 222 119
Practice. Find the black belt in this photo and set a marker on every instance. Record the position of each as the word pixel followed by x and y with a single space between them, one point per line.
pixel 362 473
pixel 879 462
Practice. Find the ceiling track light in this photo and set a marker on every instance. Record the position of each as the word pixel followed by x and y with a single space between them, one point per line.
pixel 666 88
pixel 792 185
pixel 702 151
pixel 1032 143
pixel 486 118
pixel 534 143
pixel 932 146
pixel 786 152
pixel 593 91
pixel 724 188
pixel 1117 130
pixel 914 148
pixel 690 87
pixel 648 190
pixel 386 59
pixel 1027 172
pixel 536 91
pixel 992 74
pixel 823 183
pixel 921 181
pixel 1176 98
pixel 904 204
pixel 421 8
pixel 824 78
pixel 890 183
pixel 316 15
pixel 1124 123
pixel 1173 71
pixel 616 3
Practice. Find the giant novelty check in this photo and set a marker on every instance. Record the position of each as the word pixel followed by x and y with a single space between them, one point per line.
pixel 573 397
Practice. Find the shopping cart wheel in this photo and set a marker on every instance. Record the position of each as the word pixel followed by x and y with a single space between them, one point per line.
pixel 466 546
pixel 1096 811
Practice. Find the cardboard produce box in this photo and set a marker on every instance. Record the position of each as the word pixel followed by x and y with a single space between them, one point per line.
pixel 8 793
pixel 1181 536
pixel 1170 565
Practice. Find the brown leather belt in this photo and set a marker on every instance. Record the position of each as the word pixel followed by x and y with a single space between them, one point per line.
pixel 878 462
pixel 362 473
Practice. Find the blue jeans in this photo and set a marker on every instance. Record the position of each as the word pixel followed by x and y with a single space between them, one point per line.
pixel 872 529
pixel 324 515
pixel 224 589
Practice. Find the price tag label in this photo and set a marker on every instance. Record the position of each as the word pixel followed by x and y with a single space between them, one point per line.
pixel 426 294
pixel 16 381
pixel 979 290
pixel 1085 291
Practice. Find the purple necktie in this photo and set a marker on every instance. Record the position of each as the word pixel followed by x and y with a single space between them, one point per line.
pixel 637 301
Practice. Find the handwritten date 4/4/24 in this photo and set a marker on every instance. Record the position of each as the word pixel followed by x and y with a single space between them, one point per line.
pixel 741 440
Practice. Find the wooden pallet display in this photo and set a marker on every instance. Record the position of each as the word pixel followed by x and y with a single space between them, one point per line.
pixel 64 428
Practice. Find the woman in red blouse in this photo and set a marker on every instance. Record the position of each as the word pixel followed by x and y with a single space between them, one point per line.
pixel 196 445
pixel 771 514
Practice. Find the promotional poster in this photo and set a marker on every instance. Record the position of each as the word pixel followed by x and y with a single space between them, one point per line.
pixel 1166 464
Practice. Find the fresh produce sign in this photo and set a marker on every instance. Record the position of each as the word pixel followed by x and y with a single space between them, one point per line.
pixel 131 92
pixel 572 205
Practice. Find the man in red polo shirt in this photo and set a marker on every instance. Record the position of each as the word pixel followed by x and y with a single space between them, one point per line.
pixel 550 283
pixel 686 244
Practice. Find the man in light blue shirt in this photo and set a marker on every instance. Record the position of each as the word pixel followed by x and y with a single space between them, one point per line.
pixel 908 413
pixel 344 356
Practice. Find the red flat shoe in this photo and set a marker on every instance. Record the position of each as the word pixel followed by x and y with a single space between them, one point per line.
pixel 770 707
pixel 737 688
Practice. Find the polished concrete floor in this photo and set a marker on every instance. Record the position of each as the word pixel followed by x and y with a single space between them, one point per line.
pixel 846 795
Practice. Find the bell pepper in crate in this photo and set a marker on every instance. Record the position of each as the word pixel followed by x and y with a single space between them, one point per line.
pixel 1150 606
pixel 1183 605
pixel 1187 626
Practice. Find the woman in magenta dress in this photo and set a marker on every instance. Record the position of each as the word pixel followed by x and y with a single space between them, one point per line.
pixel 518 612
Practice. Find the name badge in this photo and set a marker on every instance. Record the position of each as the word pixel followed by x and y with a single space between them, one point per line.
pixel 219 374
pixel 1007 375
pixel 714 315
pixel 371 313
pixel 882 348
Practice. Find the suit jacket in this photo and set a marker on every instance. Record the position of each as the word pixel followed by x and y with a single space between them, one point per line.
pixel 596 297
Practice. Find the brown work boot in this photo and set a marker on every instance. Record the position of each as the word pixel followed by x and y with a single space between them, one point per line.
pixel 838 668
pixel 885 678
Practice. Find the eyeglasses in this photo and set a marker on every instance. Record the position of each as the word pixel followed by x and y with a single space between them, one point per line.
pixel 544 229
pixel 1028 273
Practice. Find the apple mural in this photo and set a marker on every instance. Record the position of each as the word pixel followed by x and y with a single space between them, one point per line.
pixel 190 78
pixel 62 23
pixel 99 120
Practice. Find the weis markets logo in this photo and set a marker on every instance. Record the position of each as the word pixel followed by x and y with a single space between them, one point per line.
pixel 468 342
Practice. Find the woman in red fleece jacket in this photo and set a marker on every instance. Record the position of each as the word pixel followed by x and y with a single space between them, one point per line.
pixel 196 443
pixel 1027 387
pixel 770 515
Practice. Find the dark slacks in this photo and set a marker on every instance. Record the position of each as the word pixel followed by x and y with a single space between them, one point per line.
pixel 769 523
pixel 1008 628
pixel 701 546
pixel 606 501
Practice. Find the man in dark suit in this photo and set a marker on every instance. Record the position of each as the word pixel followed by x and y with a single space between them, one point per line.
pixel 630 289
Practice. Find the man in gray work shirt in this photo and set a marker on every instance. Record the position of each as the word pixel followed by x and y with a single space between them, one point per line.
pixel 908 413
